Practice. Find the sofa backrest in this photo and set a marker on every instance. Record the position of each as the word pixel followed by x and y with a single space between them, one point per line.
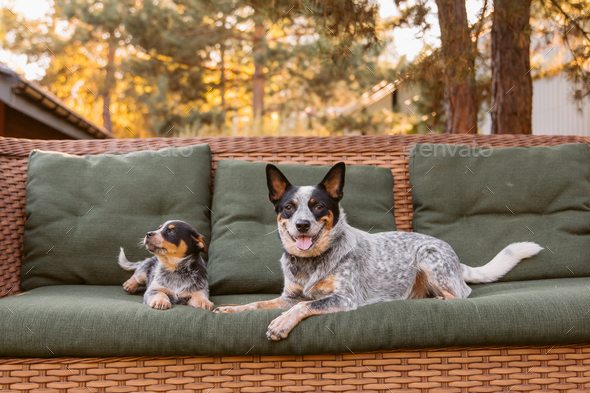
pixel 385 151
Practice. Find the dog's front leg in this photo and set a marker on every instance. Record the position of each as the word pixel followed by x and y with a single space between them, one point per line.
pixel 138 279
pixel 280 327
pixel 280 302
pixel 156 297
pixel 291 296
pixel 201 300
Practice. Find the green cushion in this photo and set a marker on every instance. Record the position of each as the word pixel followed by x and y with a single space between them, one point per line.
pixel 103 321
pixel 481 200
pixel 245 248
pixel 81 209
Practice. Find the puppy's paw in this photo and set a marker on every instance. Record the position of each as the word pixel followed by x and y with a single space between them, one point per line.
pixel 201 303
pixel 130 285
pixel 160 302
pixel 230 309
pixel 280 327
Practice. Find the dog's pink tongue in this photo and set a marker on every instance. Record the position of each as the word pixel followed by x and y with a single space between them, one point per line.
pixel 303 242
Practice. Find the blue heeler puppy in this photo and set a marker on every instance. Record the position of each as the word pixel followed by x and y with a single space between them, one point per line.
pixel 176 273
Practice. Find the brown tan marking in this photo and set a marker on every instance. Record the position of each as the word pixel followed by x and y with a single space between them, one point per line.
pixel 324 287
pixel 200 300
pixel 175 251
pixel 283 227
pixel 425 285
pixel 332 184
pixel 160 301
pixel 173 254
pixel 162 289
pixel 280 327
pixel 446 295
pixel 323 242
pixel 420 287
pixel 278 186
pixel 200 242
pixel 293 288
pixel 170 226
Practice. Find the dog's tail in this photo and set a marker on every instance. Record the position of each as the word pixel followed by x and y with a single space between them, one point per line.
pixel 124 263
pixel 501 264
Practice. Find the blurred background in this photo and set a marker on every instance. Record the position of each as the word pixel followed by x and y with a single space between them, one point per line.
pixel 132 69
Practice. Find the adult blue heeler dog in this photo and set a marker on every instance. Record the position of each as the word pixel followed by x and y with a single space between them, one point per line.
pixel 330 266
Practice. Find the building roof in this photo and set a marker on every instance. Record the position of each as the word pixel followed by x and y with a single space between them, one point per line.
pixel 37 102
pixel 378 92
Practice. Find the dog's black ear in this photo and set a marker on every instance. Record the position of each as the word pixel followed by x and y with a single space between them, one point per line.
pixel 199 242
pixel 333 183
pixel 277 183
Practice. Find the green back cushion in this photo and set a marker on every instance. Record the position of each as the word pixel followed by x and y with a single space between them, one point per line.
pixel 245 247
pixel 481 200
pixel 81 209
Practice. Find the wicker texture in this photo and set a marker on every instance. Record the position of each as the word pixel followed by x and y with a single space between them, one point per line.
pixel 384 151
pixel 560 368
pixel 450 370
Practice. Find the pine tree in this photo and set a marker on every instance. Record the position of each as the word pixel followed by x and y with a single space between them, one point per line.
pixel 458 56
pixel 183 64
pixel 80 40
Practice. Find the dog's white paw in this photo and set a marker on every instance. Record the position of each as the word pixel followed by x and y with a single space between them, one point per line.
pixel 160 302
pixel 281 326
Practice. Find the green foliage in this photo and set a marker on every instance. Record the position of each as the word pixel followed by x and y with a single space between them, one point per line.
pixel 180 67
pixel 380 122
pixel 565 23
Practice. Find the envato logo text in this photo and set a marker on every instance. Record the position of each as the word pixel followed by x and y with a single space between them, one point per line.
pixel 439 150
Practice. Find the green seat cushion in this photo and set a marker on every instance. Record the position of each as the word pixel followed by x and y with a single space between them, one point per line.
pixel 245 247
pixel 102 321
pixel 81 209
pixel 481 200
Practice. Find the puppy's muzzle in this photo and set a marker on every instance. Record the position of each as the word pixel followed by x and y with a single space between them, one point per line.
pixel 153 242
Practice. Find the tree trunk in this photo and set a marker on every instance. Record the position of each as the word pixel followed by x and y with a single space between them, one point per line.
pixel 512 87
pixel 109 81
pixel 258 80
pixel 458 68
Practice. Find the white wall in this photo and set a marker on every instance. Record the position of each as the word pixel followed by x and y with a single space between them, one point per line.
pixel 554 112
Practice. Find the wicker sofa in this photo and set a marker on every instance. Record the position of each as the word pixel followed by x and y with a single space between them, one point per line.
pixel 481 369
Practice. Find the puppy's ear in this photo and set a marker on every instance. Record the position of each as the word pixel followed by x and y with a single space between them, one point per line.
pixel 333 183
pixel 200 242
pixel 277 183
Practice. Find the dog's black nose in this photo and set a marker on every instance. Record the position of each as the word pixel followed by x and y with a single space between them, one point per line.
pixel 302 225
pixel 149 234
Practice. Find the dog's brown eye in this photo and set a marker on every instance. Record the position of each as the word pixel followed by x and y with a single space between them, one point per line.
pixel 319 207
pixel 288 207
pixel 170 231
